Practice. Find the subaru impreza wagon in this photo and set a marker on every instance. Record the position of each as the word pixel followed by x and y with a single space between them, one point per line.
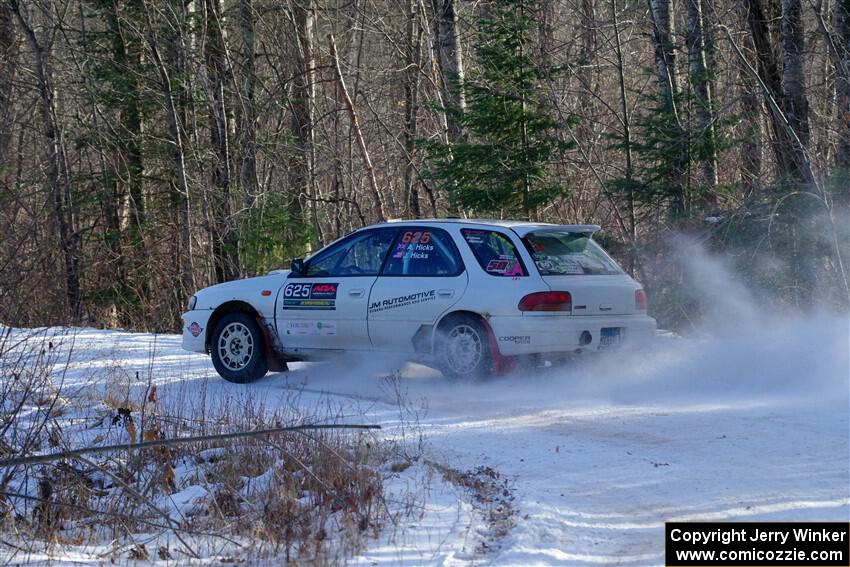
pixel 469 297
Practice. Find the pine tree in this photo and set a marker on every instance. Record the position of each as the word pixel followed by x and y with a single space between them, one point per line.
pixel 501 165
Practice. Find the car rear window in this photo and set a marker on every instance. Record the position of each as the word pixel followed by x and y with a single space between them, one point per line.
pixel 495 252
pixel 568 253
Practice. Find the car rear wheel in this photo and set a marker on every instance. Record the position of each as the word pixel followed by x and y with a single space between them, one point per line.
pixel 237 349
pixel 463 348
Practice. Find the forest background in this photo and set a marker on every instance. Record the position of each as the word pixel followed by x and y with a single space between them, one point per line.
pixel 152 147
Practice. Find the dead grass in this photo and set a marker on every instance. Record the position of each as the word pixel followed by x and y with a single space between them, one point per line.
pixel 312 498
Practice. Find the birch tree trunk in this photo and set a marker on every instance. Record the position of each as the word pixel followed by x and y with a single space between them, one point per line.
pixel 661 14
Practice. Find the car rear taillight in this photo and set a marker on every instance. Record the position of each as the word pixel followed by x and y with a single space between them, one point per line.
pixel 640 300
pixel 547 301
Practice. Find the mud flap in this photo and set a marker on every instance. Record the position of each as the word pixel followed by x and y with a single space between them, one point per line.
pixel 501 364
pixel 273 360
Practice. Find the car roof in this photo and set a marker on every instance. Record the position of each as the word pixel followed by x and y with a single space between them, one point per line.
pixel 520 227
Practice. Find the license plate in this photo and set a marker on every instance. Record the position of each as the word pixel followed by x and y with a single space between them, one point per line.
pixel 609 337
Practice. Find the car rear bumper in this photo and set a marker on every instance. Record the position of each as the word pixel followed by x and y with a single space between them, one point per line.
pixel 559 333
pixel 195 330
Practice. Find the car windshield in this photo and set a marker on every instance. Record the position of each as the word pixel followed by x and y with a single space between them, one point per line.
pixel 568 253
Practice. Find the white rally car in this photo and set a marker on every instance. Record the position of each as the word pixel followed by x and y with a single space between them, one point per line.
pixel 468 297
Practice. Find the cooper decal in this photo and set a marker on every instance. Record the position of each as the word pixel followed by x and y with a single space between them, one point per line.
pixel 516 339
pixel 403 301
pixel 320 296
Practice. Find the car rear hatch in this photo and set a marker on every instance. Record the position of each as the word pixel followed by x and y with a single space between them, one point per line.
pixel 597 295
pixel 569 260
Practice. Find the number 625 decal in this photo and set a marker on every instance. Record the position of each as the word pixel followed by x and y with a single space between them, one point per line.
pixel 411 237
pixel 301 290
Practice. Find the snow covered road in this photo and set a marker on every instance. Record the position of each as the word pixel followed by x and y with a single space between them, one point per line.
pixel 599 454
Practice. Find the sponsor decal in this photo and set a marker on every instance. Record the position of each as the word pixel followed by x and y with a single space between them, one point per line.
pixel 403 301
pixel 474 236
pixel 559 264
pixel 516 339
pixel 320 296
pixel 504 266
pixel 414 245
pixel 311 328
pixel 195 329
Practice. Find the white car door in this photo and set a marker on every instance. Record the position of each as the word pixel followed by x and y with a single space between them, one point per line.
pixel 422 278
pixel 325 306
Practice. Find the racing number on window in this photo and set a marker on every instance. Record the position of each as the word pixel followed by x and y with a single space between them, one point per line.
pixel 411 237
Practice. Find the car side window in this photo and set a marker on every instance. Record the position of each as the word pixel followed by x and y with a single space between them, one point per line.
pixel 495 252
pixel 360 255
pixel 423 251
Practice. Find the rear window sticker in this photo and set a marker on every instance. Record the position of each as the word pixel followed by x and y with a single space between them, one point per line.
pixel 516 270
pixel 414 245
pixel 504 265
pixel 497 266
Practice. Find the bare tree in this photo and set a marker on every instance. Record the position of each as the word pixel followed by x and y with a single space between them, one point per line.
pixel 377 202
pixel 223 231
pixel 661 15
pixel 449 57
pixel 627 132
pixel 60 177
pixel 248 149
pixel 751 113
pixel 8 64
pixel 413 69
pixel 841 44
pixel 699 76
pixel 303 96
pixel 181 190
pixel 795 103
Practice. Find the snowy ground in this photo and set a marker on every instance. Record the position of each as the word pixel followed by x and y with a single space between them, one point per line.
pixel 597 456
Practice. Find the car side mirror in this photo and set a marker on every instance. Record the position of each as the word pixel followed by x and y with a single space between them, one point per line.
pixel 297 267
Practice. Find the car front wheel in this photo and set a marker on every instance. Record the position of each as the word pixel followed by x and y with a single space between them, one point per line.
pixel 237 349
pixel 463 348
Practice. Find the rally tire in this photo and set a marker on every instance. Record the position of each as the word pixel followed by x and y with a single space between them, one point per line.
pixel 462 348
pixel 237 348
